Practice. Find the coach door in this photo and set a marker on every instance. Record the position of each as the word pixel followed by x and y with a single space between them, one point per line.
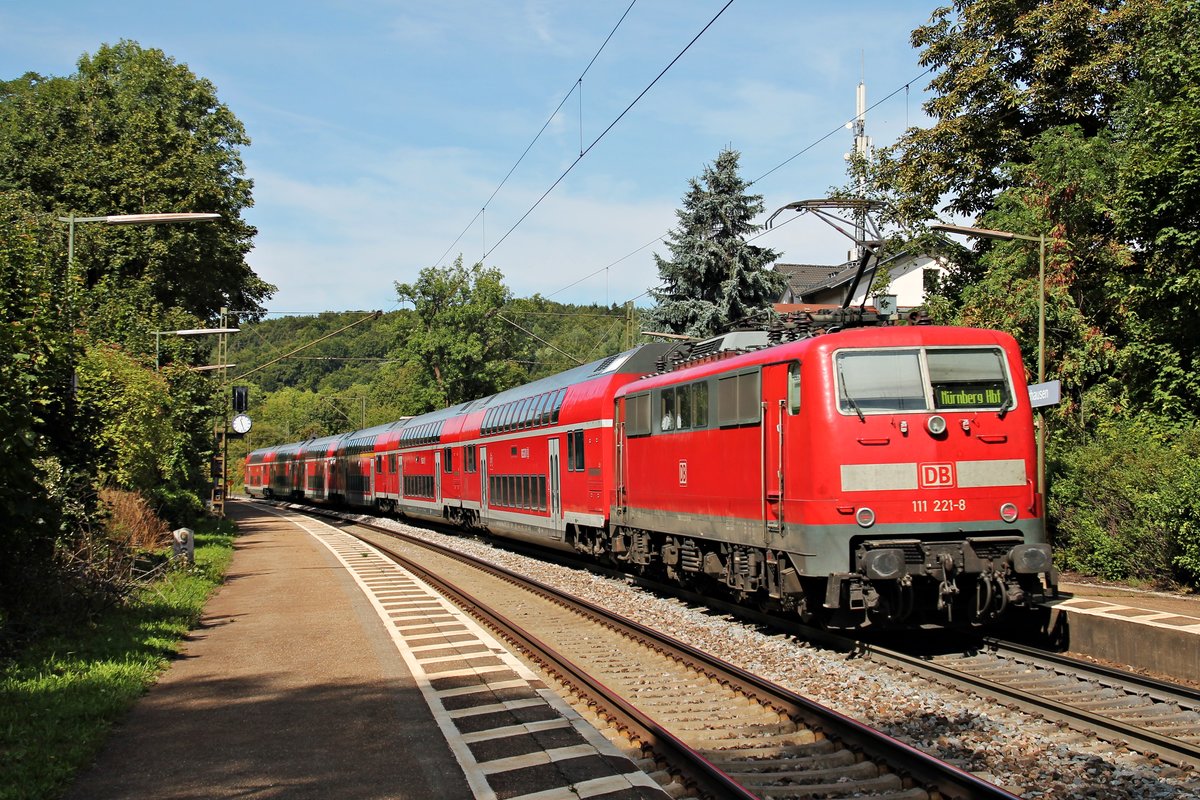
pixel 483 485
pixel 555 487
pixel 437 476
pixel 780 400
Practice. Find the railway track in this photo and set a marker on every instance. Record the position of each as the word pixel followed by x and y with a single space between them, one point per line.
pixel 724 731
pixel 1156 718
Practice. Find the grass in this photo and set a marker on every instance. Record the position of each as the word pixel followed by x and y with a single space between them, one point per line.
pixel 60 696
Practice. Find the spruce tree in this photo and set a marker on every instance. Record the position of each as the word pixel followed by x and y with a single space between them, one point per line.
pixel 714 279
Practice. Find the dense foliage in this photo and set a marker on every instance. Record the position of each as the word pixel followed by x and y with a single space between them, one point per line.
pixel 1077 120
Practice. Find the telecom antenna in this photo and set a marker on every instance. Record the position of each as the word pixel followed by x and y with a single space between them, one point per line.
pixel 862 150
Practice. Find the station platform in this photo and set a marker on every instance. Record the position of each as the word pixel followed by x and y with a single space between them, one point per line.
pixel 321 669
pixel 1154 632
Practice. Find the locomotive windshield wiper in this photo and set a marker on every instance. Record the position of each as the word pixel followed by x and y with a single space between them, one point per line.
pixel 846 390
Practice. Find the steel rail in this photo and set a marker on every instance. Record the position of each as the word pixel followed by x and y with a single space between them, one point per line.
pixel 705 776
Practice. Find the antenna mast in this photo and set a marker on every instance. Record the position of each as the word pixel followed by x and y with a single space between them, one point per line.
pixel 860 156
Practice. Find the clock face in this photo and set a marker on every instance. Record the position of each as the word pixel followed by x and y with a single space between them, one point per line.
pixel 241 423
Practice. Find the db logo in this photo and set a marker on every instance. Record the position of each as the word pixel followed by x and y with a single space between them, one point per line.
pixel 935 476
pixel 682 472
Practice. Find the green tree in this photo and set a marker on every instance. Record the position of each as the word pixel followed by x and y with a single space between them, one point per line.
pixel 458 343
pixel 1006 72
pixel 134 132
pixel 715 279
pixel 1157 209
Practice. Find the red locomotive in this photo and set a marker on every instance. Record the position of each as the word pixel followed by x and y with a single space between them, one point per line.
pixel 871 476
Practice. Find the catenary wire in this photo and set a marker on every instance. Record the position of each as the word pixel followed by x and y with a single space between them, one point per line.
pixel 611 125
pixel 576 85
pixel 785 162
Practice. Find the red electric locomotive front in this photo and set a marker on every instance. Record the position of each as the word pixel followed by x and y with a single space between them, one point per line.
pixel 879 475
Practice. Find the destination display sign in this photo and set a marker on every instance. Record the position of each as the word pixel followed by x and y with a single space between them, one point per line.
pixel 985 394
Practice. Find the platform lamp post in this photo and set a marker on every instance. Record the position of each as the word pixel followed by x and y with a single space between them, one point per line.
pixel 170 218
pixel 987 233
pixel 127 219
pixel 190 332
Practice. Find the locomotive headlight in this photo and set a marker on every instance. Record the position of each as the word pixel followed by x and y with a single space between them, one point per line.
pixel 865 517
pixel 936 425
pixel 1008 512
pixel 883 565
pixel 1029 559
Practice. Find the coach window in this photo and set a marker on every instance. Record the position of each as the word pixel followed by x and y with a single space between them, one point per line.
pixel 637 415
pixel 379 463
pixel 666 410
pixel 448 459
pixel 793 388
pixel 559 397
pixel 700 405
pixel 575 451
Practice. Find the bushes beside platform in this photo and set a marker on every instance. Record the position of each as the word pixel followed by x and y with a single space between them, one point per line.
pixel 60 694
pixel 1126 504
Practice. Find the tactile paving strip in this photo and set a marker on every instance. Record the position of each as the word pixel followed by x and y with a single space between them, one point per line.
pixel 514 738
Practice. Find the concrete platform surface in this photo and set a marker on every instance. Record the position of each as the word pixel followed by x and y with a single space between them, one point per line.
pixel 290 687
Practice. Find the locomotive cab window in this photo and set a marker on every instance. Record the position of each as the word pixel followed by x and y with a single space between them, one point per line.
pixel 880 380
pixel 793 388
pixel 968 379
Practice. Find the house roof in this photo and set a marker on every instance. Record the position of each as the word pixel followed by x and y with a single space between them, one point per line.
pixel 807 278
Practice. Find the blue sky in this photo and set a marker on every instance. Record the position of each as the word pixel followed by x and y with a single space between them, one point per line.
pixel 380 129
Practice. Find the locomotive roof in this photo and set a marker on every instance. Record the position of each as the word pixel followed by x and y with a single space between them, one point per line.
pixel 872 336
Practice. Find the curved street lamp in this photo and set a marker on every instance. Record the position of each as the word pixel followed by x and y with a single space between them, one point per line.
pixel 124 219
